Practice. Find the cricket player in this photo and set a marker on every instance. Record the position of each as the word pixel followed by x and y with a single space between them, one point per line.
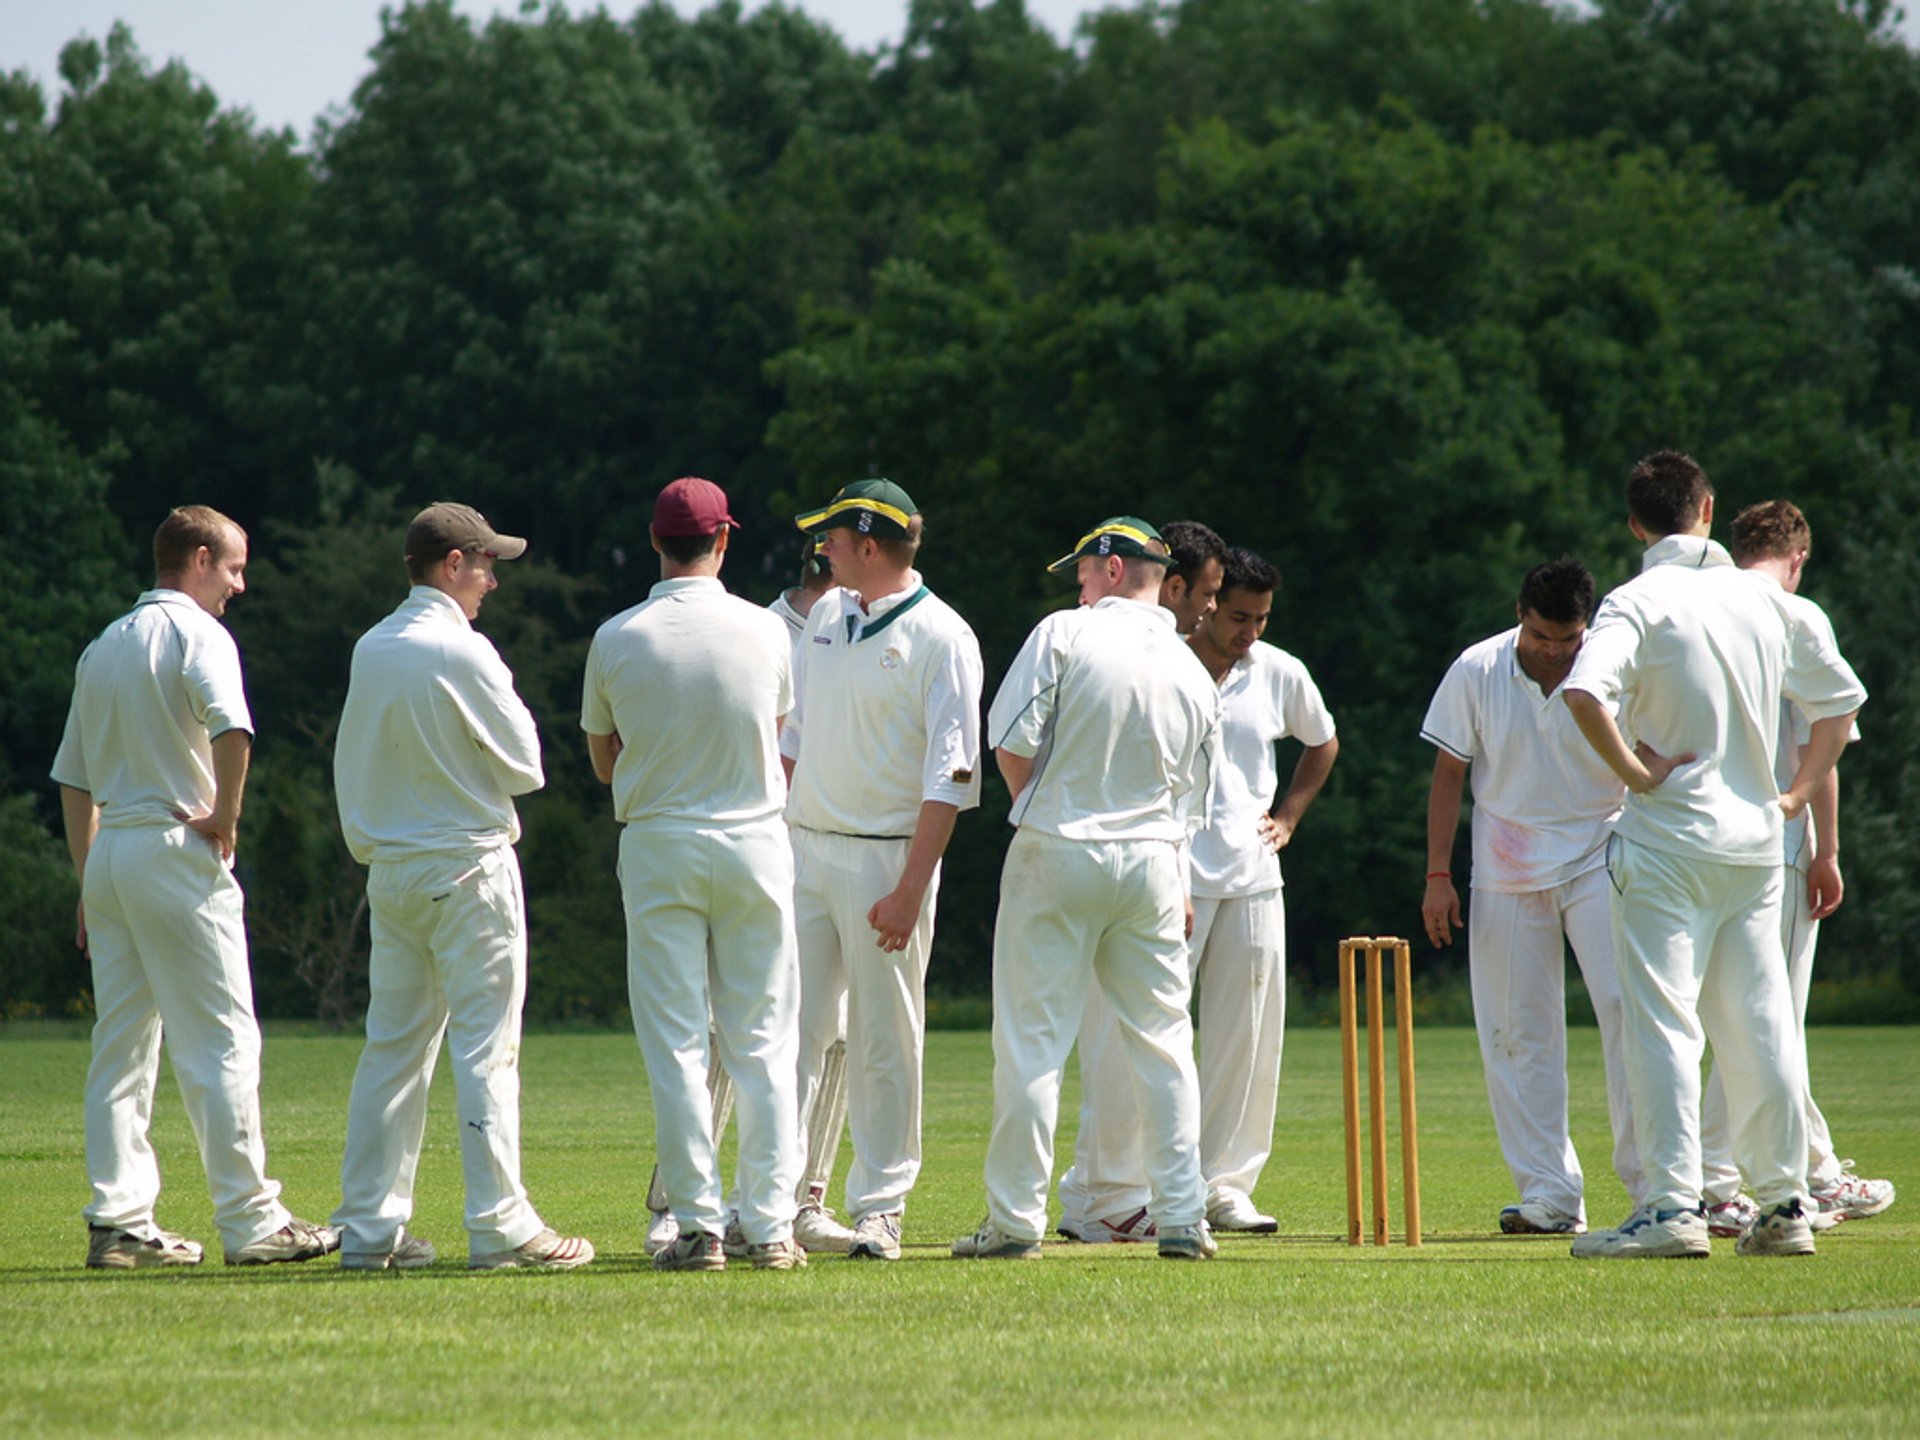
pixel 683 701
pixel 1774 539
pixel 433 747
pixel 1103 1195
pixel 883 746
pixel 1696 656
pixel 151 770
pixel 1544 805
pixel 814 1226
pixel 1104 729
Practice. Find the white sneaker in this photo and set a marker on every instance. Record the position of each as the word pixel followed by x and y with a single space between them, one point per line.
pixel 1650 1234
pixel 695 1250
pixel 1783 1230
pixel 1131 1229
pixel 1237 1213
pixel 733 1239
pixel 1536 1217
pixel 1188 1242
pixel 662 1230
pixel 819 1233
pixel 777 1255
pixel 876 1237
pixel 294 1241
pixel 409 1252
pixel 990 1242
pixel 549 1250
pixel 1851 1197
pixel 1732 1217
pixel 145 1247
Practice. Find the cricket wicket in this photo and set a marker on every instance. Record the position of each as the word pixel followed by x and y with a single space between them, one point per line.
pixel 1375 949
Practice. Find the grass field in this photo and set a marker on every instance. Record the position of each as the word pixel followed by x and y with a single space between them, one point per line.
pixel 1470 1335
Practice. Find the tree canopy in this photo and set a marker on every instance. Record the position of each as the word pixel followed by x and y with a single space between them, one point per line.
pixel 1391 291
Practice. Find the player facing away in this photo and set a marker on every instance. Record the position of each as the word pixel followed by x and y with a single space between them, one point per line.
pixel 1774 539
pixel 682 705
pixel 883 746
pixel 433 747
pixel 1104 1193
pixel 814 1226
pixel 1544 805
pixel 151 769
pixel 1104 729
pixel 1697 656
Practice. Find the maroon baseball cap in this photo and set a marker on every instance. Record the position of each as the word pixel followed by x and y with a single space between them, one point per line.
pixel 691 506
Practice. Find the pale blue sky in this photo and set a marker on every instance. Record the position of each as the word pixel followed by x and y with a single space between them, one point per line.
pixel 289 60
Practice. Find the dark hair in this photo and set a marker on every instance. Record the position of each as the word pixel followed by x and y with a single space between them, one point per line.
pixel 685 549
pixel 1665 492
pixel 184 531
pixel 1771 530
pixel 1560 591
pixel 1248 571
pixel 1191 544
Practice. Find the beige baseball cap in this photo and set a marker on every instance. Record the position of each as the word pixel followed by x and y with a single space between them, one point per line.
pixel 445 526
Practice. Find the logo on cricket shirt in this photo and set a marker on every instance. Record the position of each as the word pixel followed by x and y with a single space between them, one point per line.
pixel 892 659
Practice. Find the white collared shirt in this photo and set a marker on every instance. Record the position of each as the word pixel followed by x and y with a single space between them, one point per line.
pixel 1696 656
pixel 886 713
pixel 1795 731
pixel 1544 801
pixel 434 743
pixel 150 695
pixel 1120 719
pixel 694 681
pixel 1266 696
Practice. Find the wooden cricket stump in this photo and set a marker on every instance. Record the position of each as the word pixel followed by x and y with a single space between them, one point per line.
pixel 1376 948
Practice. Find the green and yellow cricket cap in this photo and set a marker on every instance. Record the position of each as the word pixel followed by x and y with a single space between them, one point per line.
pixel 872 507
pixel 1127 536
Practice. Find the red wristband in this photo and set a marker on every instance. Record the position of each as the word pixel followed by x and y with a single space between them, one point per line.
pixel 1439 875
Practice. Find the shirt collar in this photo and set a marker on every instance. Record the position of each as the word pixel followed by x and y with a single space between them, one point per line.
pixel 850 598
pixel 166 595
pixel 1159 613
pixel 680 584
pixel 428 597
pixel 1693 551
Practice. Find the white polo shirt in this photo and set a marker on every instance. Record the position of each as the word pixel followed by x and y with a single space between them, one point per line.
pixel 434 743
pixel 886 713
pixel 1120 719
pixel 694 682
pixel 1696 655
pixel 150 695
pixel 1795 731
pixel 1544 801
pixel 795 622
pixel 1266 697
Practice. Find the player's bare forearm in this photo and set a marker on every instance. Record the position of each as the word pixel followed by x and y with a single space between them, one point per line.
pixel 82 821
pixel 1440 902
pixel 603 752
pixel 231 753
pixel 895 914
pixel 1309 775
pixel 1818 756
pixel 1016 770
pixel 1825 888
pixel 1640 768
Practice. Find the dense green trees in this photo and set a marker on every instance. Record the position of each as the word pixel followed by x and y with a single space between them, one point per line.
pixel 1392 292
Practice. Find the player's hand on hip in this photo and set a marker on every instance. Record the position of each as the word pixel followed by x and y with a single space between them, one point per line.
pixel 1273 834
pixel 1658 766
pixel 1440 910
pixel 223 837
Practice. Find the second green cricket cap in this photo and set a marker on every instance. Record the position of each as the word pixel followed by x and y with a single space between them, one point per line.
pixel 872 507
pixel 1127 536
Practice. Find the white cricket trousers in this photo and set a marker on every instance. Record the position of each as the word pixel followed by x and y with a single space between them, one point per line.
pixel 1799 934
pixel 1516 947
pixel 837 880
pixel 1697 951
pixel 449 958
pixel 169 952
pixel 710 932
pixel 1073 914
pixel 1237 954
